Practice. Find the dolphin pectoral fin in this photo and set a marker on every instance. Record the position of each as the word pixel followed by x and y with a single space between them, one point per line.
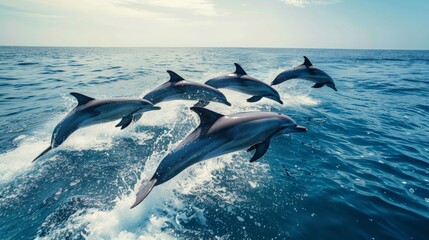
pixel 126 125
pixel 254 99
pixel 252 148
pixel 43 153
pixel 318 85
pixel 137 117
pixel 125 122
pixel 201 103
pixel 261 149
pixel 144 190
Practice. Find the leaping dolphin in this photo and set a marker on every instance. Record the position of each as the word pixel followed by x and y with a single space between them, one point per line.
pixel 241 82
pixel 220 134
pixel 90 111
pixel 177 88
pixel 308 72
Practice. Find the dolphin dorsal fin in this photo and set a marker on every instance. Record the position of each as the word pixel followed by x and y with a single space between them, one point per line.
pixel 307 62
pixel 206 116
pixel 174 77
pixel 239 70
pixel 81 99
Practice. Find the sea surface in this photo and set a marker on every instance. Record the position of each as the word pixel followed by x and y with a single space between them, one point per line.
pixel 361 171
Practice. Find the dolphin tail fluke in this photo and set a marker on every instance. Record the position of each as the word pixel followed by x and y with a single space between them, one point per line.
pixel 43 153
pixel 318 85
pixel 254 99
pixel 144 190
pixel 201 103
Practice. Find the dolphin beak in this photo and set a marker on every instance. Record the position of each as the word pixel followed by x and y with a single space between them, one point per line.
pixel 335 88
pixel 228 104
pixel 155 108
pixel 280 101
pixel 300 129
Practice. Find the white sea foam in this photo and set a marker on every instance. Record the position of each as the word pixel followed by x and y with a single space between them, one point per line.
pixel 18 160
pixel 98 137
pixel 163 207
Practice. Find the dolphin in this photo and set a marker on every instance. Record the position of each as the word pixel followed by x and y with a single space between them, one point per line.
pixel 220 134
pixel 308 72
pixel 178 88
pixel 241 82
pixel 90 111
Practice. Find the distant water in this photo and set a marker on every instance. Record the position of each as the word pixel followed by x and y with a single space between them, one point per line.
pixel 361 171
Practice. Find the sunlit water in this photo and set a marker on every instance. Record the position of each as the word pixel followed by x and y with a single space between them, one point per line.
pixel 361 171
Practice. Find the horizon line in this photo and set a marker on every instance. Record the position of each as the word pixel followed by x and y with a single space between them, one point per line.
pixel 321 48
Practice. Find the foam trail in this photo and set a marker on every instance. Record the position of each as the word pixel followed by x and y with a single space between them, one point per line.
pixel 98 137
pixel 146 220
pixel 18 160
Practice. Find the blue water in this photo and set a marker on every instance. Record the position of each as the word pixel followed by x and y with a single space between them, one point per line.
pixel 361 171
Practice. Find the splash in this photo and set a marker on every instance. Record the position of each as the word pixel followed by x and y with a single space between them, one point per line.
pixel 18 161
pixel 162 211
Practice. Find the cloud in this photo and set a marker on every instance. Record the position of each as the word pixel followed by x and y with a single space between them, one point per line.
pixel 152 9
pixel 303 3
pixel 198 7
pixel 19 12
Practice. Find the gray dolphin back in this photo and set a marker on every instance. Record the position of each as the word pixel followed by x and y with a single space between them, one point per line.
pixel 163 173
pixel 177 88
pixel 90 111
pixel 240 81
pixel 81 100
pixel 308 72
pixel 293 72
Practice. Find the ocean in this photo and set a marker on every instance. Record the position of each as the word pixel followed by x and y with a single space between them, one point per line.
pixel 360 172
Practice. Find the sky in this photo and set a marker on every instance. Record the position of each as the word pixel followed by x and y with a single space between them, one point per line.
pixel 351 24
